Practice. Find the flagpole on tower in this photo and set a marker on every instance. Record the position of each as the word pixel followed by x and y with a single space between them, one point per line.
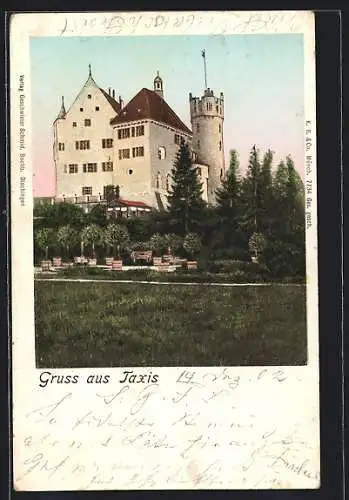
pixel 203 53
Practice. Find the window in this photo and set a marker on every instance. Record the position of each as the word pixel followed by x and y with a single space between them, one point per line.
pixel 161 153
pixel 199 172
pixel 73 168
pixel 86 190
pixel 198 144
pixel 82 144
pixel 65 169
pixel 220 110
pixel 219 128
pixel 158 180
pixel 200 106
pixel 61 146
pixel 221 173
pixel 89 167
pixel 138 151
pixel 130 172
pixel 124 154
pixel 107 166
pixel 74 124
pixel 87 122
pixel 97 108
pixel 89 96
pixel 107 143
pixel 81 110
pixel 139 130
pixel 216 109
pixel 198 127
pixel 168 182
pixel 133 131
pixel 220 145
pixel 177 139
pixel 124 133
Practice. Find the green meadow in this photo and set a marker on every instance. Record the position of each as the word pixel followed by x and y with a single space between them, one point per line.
pixel 133 324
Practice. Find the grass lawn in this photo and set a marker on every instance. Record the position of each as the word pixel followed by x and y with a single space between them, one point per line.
pixel 131 324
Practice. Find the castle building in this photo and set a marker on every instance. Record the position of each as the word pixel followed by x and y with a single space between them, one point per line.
pixel 99 141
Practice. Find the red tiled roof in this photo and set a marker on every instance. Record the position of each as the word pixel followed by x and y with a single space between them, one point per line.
pixel 115 104
pixel 129 203
pixel 148 104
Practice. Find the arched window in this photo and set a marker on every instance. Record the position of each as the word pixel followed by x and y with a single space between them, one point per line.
pixel 161 153
pixel 168 182
pixel 158 180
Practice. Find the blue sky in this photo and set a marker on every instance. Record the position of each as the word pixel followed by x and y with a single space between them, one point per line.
pixel 261 77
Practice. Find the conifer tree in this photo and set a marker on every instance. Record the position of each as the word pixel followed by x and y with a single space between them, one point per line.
pixel 291 196
pixel 266 193
pixel 227 197
pixel 251 195
pixel 185 200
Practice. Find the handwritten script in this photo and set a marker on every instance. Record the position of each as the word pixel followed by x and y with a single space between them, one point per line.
pixel 139 23
pixel 202 429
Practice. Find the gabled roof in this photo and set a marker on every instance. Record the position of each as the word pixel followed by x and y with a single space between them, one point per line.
pixel 90 83
pixel 148 104
pixel 115 104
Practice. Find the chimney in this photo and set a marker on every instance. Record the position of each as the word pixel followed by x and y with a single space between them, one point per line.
pixel 121 102
pixel 109 90
pixel 113 94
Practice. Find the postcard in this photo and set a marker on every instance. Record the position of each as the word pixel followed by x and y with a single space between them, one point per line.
pixel 164 251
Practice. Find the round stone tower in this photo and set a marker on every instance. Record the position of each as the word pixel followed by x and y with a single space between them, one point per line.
pixel 207 116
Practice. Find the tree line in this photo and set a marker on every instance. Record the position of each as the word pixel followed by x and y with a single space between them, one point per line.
pixel 259 214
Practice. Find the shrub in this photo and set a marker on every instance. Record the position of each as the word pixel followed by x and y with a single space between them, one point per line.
pixel 192 244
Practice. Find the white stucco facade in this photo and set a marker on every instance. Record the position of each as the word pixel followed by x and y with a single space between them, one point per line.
pixel 91 153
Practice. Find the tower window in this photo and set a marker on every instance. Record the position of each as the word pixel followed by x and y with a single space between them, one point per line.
pixel 97 108
pixel 89 96
pixel 87 122
pixel 161 153
pixel 74 124
pixel 86 190
pixel 221 173
pixel 220 145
